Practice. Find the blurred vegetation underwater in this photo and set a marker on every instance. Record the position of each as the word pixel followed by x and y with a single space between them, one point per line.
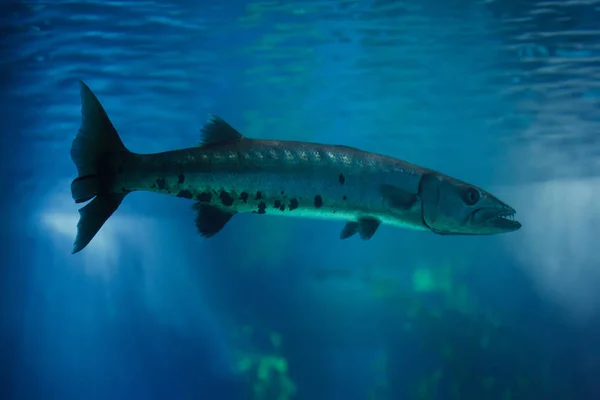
pixel 497 92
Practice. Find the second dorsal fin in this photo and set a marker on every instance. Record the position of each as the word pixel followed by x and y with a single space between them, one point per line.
pixel 217 131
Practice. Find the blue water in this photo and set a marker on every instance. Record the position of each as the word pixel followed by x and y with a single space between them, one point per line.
pixel 503 94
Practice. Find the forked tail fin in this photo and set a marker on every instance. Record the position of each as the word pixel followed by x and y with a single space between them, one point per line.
pixel 96 144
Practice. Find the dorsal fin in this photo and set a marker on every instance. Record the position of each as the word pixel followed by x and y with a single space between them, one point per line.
pixel 217 131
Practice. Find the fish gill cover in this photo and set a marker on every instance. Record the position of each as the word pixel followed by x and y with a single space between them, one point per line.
pixel 503 95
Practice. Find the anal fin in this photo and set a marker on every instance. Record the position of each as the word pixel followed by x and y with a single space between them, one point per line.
pixel 210 219
pixel 365 227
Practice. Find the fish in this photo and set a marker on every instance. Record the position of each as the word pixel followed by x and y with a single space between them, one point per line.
pixel 227 173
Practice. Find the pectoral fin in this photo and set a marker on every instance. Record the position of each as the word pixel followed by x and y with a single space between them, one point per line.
pixel 365 227
pixel 397 197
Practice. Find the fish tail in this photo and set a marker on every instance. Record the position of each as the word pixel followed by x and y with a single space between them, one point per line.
pixel 96 144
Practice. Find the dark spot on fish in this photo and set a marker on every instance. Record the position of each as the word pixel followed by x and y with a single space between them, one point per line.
pixel 258 196
pixel 205 197
pixel 226 199
pixel 162 183
pixel 282 207
pixel 345 198
pixel 341 179
pixel 318 201
pixel 293 204
pixel 186 194
pixel 181 178
pixel 277 204
pixel 244 197
pixel 262 208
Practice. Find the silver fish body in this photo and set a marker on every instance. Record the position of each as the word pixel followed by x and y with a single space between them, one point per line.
pixel 229 174
pixel 281 178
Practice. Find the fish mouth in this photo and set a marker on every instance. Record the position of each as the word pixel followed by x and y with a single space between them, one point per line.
pixel 504 220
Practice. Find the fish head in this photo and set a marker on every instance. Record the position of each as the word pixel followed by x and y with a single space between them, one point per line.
pixel 452 207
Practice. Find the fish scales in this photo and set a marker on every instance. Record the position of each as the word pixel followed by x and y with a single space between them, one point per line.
pixel 302 179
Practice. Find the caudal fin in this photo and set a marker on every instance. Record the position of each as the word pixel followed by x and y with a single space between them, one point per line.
pixel 96 144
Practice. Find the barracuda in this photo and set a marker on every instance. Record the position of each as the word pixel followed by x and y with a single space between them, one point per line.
pixel 228 173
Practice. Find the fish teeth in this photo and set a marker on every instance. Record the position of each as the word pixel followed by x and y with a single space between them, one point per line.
pixel 507 215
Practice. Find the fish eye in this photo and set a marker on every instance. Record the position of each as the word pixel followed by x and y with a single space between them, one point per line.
pixel 471 196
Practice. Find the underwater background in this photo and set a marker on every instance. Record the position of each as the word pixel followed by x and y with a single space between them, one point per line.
pixel 503 94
